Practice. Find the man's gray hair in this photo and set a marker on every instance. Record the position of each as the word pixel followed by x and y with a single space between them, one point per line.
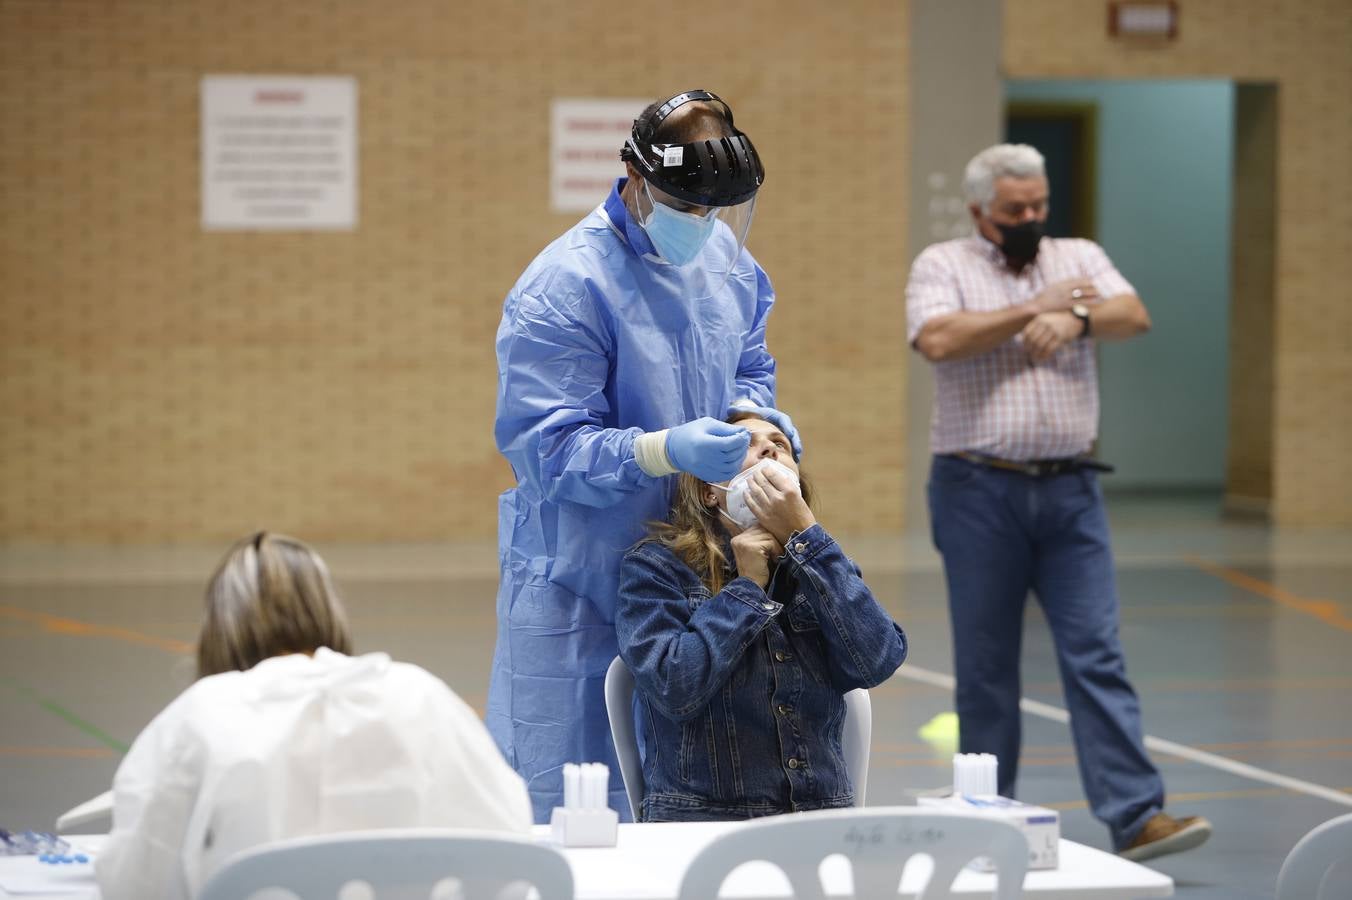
pixel 1000 161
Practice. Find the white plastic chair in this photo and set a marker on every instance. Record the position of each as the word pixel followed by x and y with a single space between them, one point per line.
pixel 94 815
pixel 1305 873
pixel 857 734
pixel 620 711
pixel 878 842
pixel 856 739
pixel 409 862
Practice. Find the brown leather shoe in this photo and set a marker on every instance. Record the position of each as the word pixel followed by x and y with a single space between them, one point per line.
pixel 1164 834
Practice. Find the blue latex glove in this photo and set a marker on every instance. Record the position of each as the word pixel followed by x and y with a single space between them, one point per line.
pixel 709 449
pixel 778 419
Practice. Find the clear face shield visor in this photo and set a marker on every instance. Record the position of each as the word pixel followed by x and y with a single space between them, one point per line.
pixel 689 235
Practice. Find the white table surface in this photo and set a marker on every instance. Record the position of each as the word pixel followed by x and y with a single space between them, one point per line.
pixel 649 860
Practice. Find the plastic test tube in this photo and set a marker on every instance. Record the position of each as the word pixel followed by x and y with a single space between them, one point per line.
pixel 572 775
pixel 584 785
pixel 602 785
pixel 597 787
pixel 602 775
pixel 992 782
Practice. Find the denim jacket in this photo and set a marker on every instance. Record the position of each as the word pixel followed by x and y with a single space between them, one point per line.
pixel 742 693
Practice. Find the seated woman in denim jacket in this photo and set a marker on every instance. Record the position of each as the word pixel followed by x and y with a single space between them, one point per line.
pixel 743 639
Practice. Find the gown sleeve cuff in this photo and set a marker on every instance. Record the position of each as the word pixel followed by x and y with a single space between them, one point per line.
pixel 650 452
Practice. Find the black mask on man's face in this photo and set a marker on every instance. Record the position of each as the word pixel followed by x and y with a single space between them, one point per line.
pixel 1019 242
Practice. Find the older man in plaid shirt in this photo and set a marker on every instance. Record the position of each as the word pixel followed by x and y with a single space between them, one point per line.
pixel 1009 318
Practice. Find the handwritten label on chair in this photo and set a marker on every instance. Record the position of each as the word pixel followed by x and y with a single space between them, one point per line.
pixel 877 837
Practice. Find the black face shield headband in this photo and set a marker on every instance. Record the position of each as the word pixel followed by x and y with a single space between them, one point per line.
pixel 722 171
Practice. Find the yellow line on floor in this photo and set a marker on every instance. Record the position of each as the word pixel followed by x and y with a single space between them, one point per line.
pixel 947 762
pixel 1198 685
pixel 1326 611
pixel 1189 796
pixel 451 617
pixel 76 628
pixel 900 757
pixel 1278 745
pixel 901 747
pixel 65 752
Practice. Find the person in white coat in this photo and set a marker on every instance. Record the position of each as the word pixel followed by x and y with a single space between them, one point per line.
pixel 285 734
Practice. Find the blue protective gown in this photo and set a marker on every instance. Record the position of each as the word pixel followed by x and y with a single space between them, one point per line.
pixel 600 341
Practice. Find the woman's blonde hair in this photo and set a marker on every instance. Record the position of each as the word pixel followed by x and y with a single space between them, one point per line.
pixel 271 596
pixel 695 532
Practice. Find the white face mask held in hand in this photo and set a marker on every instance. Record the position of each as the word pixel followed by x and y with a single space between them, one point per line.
pixel 738 512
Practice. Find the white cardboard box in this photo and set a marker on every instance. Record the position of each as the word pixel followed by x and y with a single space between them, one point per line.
pixel 1041 827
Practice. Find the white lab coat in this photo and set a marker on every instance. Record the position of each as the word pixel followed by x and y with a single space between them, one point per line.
pixel 295 746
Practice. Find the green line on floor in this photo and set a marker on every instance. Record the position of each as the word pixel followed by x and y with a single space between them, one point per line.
pixel 61 712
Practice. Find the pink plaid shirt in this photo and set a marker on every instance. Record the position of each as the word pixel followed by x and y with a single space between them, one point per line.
pixel 1000 403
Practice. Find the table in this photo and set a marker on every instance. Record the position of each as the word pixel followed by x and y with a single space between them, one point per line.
pixel 649 860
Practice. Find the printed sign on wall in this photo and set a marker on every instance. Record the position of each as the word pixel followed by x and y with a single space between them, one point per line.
pixel 279 153
pixel 586 136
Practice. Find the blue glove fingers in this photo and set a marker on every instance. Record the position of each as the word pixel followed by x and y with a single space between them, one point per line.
pixel 727 455
pixel 708 448
pixel 720 473
pixel 791 433
pixel 731 443
pixel 726 429
pixel 716 467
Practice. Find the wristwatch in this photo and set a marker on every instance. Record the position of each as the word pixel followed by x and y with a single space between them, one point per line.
pixel 1081 312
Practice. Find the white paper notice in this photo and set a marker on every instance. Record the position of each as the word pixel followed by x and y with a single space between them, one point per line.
pixel 279 153
pixel 585 137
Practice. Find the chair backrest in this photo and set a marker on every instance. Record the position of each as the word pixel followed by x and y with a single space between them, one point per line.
pixel 620 711
pixel 409 862
pixel 1313 859
pixel 855 740
pixel 93 815
pixel 878 842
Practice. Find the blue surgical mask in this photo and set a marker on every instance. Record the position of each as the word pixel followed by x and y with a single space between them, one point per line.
pixel 678 236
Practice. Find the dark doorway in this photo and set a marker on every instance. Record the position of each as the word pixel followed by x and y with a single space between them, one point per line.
pixel 1064 133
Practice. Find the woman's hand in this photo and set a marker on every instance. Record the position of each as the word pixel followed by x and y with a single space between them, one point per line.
pixel 778 505
pixel 755 549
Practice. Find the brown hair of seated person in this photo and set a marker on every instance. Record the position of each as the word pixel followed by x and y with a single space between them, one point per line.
pixel 271 596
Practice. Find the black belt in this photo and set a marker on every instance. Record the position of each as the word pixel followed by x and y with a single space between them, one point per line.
pixel 1035 468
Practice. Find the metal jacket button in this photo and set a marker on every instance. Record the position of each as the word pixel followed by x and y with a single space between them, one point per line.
pixel 793 763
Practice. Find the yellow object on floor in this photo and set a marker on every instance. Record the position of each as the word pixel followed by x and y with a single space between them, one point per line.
pixel 941 733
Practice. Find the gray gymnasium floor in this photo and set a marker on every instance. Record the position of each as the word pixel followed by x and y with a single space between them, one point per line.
pixel 1238 640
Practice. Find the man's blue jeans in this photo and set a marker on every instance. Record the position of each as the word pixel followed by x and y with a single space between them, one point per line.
pixel 1001 534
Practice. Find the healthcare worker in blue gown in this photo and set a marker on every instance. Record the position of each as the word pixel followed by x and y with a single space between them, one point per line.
pixel 621 349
